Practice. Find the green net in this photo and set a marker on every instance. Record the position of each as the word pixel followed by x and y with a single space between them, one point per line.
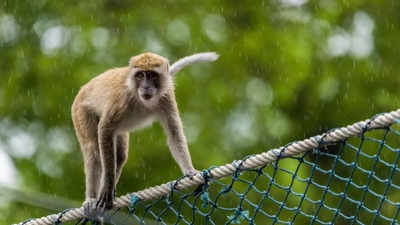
pixel 352 181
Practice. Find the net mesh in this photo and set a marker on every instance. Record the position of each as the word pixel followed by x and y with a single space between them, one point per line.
pixel 354 181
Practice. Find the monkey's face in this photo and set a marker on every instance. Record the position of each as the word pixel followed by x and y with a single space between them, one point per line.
pixel 147 84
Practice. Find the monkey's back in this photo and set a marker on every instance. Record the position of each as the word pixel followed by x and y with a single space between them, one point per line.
pixel 102 90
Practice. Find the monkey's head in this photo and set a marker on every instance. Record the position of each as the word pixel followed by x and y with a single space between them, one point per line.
pixel 150 76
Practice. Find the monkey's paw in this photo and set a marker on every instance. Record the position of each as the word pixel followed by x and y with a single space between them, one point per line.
pixel 191 173
pixel 105 201
pixel 91 211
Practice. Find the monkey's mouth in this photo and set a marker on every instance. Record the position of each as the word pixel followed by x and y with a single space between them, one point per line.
pixel 147 96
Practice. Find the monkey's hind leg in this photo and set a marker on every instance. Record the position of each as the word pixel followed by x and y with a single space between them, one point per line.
pixel 85 125
pixel 86 130
pixel 122 154
pixel 93 170
pixel 93 176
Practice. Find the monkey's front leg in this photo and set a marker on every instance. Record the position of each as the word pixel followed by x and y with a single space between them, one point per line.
pixel 108 162
pixel 177 143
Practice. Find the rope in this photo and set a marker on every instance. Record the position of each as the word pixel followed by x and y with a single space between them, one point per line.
pixel 250 162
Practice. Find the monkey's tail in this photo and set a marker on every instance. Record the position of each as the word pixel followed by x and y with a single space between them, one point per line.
pixel 188 60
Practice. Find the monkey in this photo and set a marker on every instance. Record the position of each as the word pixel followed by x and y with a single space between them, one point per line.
pixel 122 100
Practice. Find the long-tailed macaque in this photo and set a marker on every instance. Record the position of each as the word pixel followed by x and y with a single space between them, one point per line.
pixel 121 100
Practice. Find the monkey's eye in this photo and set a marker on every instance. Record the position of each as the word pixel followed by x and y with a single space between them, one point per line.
pixel 139 76
pixel 153 76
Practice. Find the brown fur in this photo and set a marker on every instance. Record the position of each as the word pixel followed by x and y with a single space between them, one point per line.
pixel 147 61
pixel 107 108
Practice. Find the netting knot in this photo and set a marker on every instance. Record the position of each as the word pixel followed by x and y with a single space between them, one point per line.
pixel 133 200
pixel 239 215
pixel 203 188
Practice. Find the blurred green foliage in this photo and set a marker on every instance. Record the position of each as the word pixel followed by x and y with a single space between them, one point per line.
pixel 288 69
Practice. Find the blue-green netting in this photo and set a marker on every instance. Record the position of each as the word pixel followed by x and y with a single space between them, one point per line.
pixel 354 181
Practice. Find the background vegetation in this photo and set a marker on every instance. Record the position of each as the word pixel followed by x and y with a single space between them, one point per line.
pixel 288 69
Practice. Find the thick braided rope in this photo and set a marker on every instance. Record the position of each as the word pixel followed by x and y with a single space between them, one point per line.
pixel 250 162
